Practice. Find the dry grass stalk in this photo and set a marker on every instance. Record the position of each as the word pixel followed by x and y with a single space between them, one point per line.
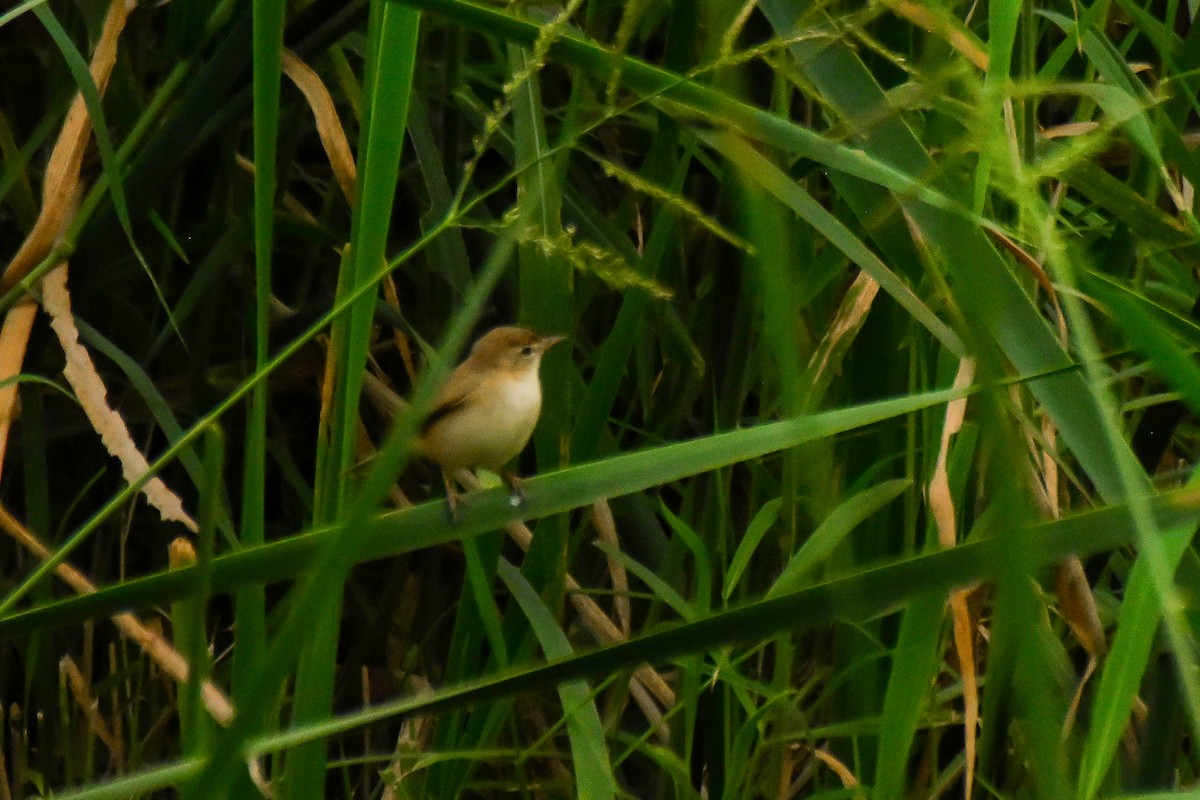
pixel 415 735
pixel 841 770
pixel 1076 600
pixel 1034 267
pixel 81 692
pixel 1078 605
pixel 606 529
pixel 292 206
pixel 590 614
pixel 328 376
pixel 392 297
pixel 158 649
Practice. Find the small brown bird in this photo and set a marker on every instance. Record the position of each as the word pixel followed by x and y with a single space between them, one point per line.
pixel 488 408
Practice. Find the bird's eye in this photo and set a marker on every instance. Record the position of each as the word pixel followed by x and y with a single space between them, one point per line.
pixel 526 350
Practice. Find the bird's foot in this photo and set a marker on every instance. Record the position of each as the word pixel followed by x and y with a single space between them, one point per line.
pixel 453 501
pixel 516 489
pixel 453 504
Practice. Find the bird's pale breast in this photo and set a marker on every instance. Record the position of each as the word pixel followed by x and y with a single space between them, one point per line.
pixel 492 427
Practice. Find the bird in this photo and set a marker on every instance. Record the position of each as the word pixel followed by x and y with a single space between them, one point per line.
pixel 486 411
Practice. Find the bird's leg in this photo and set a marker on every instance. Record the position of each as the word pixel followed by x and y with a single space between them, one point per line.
pixel 516 488
pixel 452 501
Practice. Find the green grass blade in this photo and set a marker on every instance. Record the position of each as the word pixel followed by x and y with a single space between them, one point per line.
pixel 250 601
pixel 763 519
pixel 662 590
pixel 18 10
pixel 1121 678
pixel 139 784
pixel 480 577
pixel 309 602
pixel 832 531
pixel 589 752
pixel 695 98
pixel 915 663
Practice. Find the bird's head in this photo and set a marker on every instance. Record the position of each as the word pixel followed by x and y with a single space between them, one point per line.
pixel 511 349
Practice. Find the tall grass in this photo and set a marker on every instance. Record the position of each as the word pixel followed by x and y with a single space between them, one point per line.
pixel 867 470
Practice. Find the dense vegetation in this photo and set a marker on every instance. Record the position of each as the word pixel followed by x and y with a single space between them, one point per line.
pixel 866 470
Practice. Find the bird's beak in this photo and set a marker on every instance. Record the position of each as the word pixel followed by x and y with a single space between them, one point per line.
pixel 547 342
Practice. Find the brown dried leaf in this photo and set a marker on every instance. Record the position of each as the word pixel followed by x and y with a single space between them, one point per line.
pixel 1070 129
pixel 942 24
pixel 1078 606
pixel 81 373
pixel 940 502
pixel 850 317
pixel 62 171
pixel 329 126
pixel 1073 709
pixel 14 337
pixel 941 506
pixel 59 190
pixel 181 553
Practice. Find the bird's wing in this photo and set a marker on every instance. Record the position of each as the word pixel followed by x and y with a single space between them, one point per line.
pixel 451 397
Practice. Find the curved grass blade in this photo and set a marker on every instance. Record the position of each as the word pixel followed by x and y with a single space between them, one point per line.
pixel 662 590
pixel 766 516
pixel 18 10
pixel 334 555
pixel 832 530
pixel 233 398
pixel 860 596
